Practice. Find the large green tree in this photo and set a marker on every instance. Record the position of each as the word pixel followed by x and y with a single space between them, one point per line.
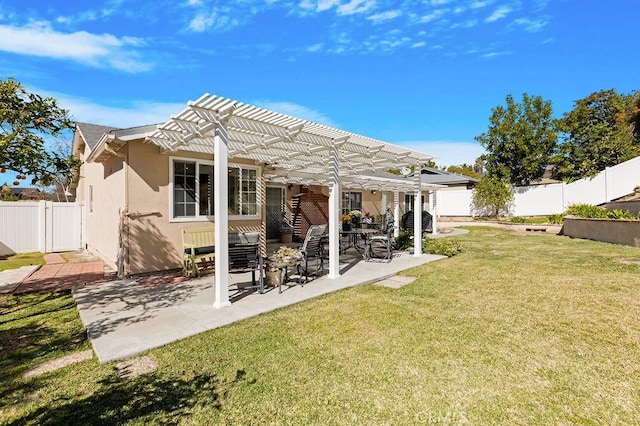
pixel 520 140
pixel 26 119
pixel 599 132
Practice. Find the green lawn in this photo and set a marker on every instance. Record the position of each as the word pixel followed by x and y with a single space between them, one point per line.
pixel 23 259
pixel 517 329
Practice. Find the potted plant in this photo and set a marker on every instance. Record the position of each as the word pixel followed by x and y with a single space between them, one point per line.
pixel 356 216
pixel 346 222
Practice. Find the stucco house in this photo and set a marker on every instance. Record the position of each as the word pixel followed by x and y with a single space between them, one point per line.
pixel 141 186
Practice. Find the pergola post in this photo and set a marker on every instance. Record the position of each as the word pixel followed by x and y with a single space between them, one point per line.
pixel 396 213
pixel 417 214
pixel 221 202
pixel 434 212
pixel 334 215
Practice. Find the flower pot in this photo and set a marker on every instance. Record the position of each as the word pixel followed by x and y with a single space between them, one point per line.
pixel 272 278
pixel 286 237
pixel 346 226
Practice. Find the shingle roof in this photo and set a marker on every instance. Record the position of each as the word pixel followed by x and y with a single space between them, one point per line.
pixel 91 133
pixel 442 177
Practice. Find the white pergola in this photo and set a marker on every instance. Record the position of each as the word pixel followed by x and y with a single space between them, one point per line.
pixel 291 150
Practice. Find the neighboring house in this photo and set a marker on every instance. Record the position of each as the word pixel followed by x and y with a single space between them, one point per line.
pixel 450 180
pixel 141 186
pixel 28 193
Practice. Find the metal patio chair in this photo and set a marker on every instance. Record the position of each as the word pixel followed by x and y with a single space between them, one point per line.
pixel 312 253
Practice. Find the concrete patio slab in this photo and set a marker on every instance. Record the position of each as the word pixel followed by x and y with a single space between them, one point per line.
pixel 10 279
pixel 124 318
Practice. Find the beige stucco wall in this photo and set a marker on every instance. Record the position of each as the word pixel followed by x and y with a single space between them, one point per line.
pixel 102 215
pixel 607 230
pixel 154 240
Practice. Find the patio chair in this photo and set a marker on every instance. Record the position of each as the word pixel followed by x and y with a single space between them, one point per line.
pixel 312 253
pixel 379 247
pixel 244 256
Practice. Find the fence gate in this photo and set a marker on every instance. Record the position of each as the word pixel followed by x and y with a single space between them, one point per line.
pixel 42 226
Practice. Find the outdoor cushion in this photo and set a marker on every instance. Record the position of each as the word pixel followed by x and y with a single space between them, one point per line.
pixel 201 250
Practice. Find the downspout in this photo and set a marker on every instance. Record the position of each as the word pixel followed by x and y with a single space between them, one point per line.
pixel 124 266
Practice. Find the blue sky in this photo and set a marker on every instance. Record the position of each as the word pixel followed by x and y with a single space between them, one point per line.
pixel 423 74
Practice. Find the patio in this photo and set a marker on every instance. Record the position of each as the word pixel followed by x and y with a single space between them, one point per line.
pixel 124 318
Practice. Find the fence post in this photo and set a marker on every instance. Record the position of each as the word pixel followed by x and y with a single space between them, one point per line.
pixel 42 226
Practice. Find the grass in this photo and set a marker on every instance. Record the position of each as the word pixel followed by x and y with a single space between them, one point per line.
pixel 516 329
pixel 23 259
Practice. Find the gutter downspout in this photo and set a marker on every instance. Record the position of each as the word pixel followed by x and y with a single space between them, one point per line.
pixel 124 266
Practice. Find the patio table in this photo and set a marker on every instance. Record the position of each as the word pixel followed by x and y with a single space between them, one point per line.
pixel 283 272
pixel 355 235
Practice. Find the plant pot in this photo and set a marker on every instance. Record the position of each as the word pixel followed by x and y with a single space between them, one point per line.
pixel 286 237
pixel 272 278
pixel 346 226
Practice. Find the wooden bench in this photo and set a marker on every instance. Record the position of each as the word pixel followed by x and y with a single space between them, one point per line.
pixel 198 248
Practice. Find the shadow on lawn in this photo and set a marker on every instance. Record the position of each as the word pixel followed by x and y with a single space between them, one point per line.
pixel 165 400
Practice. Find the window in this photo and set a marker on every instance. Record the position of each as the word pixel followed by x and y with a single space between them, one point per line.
pixel 408 201
pixel 351 201
pixel 193 183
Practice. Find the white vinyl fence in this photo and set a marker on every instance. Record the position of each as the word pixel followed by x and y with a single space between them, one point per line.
pixel 42 226
pixel 539 200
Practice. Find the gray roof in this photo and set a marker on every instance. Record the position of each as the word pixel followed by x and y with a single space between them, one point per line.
pixel 442 177
pixel 91 133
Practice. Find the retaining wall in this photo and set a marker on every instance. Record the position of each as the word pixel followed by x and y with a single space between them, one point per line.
pixel 626 232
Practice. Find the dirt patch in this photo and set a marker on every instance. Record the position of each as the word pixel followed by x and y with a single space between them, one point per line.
pixel 58 363
pixel 396 281
pixel 628 262
pixel 79 256
pixel 132 368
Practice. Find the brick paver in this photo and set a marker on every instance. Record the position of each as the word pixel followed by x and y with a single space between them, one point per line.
pixel 60 277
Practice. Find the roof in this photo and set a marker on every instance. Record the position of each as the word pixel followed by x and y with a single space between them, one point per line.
pixel 291 149
pixel 91 133
pixel 443 177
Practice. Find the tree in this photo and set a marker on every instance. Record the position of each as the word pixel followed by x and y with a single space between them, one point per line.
pixel 465 170
pixel 492 197
pixel 599 132
pixel 25 120
pixel 520 140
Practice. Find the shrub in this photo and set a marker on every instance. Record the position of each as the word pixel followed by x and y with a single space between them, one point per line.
pixel 441 246
pixel 404 240
pixel 620 214
pixel 555 219
pixel 587 211
pixel 517 219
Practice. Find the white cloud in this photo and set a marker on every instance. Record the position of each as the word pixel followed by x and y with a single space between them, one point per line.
pixel 494 54
pixel 131 114
pixel 449 153
pixel 385 16
pixel 355 6
pixel 418 44
pixel 479 4
pixel 531 26
pixel 439 2
pixel 326 5
pixel 295 110
pixel 432 16
pixel 96 50
pixel 499 13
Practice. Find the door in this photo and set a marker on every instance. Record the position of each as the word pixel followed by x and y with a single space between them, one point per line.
pixel 275 211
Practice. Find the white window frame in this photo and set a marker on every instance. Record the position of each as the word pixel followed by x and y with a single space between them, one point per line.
pixel 209 218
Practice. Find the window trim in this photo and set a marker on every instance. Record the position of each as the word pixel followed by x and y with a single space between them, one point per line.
pixel 209 218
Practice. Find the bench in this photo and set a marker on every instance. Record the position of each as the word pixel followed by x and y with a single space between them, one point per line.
pixel 198 248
